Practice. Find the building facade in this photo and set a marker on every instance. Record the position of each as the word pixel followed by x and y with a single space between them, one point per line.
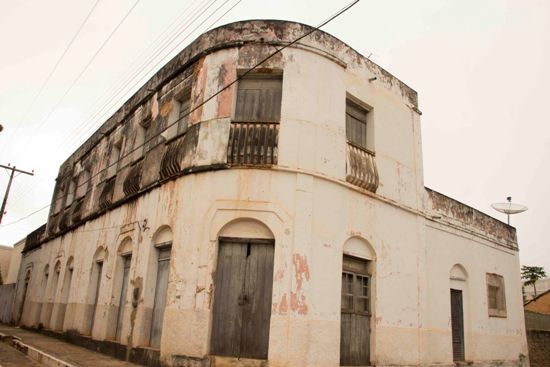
pixel 279 218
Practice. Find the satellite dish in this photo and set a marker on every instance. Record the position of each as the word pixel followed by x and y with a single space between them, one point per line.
pixel 509 208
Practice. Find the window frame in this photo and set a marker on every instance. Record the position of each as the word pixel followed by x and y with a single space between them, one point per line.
pixel 71 192
pixel 114 163
pixel 274 75
pixel 495 286
pixel 366 111
pixel 357 273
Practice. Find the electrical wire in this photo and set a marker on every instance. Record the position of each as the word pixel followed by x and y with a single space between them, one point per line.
pixel 52 72
pixel 25 217
pixel 241 76
pixel 125 79
pixel 138 81
pixel 215 94
pixel 68 90
pixel 208 4
pixel 223 15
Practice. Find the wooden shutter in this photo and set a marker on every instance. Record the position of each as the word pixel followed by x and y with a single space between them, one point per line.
pixel 259 99
pixel 356 125
pixel 457 325
pixel 160 296
pixel 496 296
pixel 243 298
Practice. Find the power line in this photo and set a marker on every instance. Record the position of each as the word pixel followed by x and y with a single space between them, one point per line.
pixel 334 16
pixel 194 16
pixel 121 82
pixel 67 91
pixel 54 69
pixel 241 76
pixel 136 82
pixel 223 15
pixel 85 68
pixel 26 216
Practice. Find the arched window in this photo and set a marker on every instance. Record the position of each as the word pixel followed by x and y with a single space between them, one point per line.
pixel 162 241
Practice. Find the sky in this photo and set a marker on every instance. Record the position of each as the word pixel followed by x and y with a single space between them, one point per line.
pixel 480 69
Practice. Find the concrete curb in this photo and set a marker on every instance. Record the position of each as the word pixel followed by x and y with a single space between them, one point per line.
pixel 34 353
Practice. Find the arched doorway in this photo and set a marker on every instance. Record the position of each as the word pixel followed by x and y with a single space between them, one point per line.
pixel 162 242
pixel 123 276
pixel 356 306
pixel 243 290
pixel 457 278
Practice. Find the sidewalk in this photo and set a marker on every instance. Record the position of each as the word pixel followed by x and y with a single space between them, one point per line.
pixel 11 357
pixel 66 352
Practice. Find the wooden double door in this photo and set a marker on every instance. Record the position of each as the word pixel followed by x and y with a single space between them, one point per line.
pixel 242 298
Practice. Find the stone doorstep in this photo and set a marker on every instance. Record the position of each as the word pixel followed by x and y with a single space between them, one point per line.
pixel 36 354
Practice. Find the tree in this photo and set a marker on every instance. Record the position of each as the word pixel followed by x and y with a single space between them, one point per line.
pixel 531 274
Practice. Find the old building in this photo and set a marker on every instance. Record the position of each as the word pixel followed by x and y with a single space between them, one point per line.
pixel 281 218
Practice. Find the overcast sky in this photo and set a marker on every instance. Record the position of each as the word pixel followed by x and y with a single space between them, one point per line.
pixel 481 70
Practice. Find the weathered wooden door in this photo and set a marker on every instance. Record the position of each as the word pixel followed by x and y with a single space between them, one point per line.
pixel 242 298
pixel 457 325
pixel 99 265
pixel 160 296
pixel 124 289
pixel 25 290
pixel 355 313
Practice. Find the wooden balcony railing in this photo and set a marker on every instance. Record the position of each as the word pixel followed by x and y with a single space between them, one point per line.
pixel 361 168
pixel 253 143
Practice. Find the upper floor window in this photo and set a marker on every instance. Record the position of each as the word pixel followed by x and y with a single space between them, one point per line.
pixel 70 193
pixel 59 196
pixel 184 109
pixel 114 158
pixel 141 141
pixel 179 115
pixel 82 183
pixel 356 124
pixel 496 298
pixel 259 98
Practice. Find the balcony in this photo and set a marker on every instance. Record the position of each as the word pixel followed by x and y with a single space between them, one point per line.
pixel 361 168
pixel 253 144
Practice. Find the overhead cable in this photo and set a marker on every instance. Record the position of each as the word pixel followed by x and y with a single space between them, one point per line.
pixel 241 76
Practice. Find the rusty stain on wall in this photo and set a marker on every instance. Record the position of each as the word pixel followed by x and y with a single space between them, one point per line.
pixel 225 99
pixel 166 108
pixel 301 274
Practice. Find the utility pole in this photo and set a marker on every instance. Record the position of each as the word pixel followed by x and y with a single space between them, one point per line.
pixel 13 170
